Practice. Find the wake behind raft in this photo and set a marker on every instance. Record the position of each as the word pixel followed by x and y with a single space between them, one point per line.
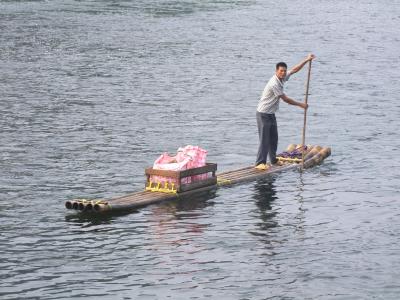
pixel 203 179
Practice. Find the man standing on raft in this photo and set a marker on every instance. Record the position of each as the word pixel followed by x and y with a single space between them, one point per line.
pixel 268 105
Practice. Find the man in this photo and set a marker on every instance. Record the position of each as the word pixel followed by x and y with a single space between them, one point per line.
pixel 268 105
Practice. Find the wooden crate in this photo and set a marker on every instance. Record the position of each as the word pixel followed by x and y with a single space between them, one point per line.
pixel 179 175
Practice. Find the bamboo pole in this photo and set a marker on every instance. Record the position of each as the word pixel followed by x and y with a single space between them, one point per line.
pixel 303 140
pixel 317 158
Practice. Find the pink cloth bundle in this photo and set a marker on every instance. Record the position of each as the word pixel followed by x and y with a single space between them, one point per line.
pixel 187 158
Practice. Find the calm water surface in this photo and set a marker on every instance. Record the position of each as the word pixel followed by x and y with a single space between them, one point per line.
pixel 92 91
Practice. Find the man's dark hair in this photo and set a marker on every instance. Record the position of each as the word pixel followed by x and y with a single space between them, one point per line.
pixel 281 64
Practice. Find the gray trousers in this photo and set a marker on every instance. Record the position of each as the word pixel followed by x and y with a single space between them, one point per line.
pixel 268 134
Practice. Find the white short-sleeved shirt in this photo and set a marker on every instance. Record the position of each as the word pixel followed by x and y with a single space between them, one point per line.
pixel 269 101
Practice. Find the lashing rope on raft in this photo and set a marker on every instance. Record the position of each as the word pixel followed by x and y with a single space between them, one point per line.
pixel 91 201
pixel 223 181
pixel 157 187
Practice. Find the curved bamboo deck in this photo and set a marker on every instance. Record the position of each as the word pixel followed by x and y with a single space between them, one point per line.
pixel 314 156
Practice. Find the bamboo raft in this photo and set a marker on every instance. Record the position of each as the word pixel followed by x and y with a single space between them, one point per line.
pixel 156 192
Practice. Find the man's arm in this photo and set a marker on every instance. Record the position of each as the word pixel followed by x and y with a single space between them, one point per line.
pixel 299 66
pixel 293 102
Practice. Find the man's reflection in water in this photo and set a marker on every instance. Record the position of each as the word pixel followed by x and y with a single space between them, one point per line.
pixel 265 194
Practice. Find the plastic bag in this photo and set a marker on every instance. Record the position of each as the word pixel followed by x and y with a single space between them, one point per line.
pixel 197 157
pixel 186 158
